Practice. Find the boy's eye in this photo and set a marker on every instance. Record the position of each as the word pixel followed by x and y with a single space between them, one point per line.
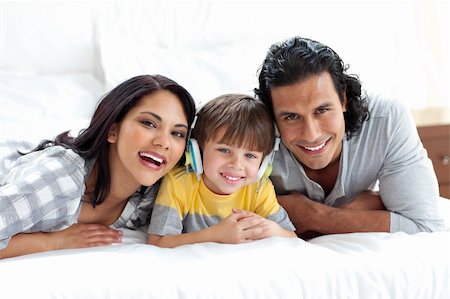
pixel 223 150
pixel 250 156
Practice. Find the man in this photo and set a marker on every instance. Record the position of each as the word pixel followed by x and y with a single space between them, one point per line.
pixel 338 144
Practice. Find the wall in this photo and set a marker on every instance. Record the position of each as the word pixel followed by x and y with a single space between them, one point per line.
pixel 398 48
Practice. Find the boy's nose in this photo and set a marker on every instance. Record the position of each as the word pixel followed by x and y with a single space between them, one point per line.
pixel 236 163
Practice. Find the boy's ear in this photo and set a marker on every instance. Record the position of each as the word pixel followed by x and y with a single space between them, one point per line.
pixel 112 134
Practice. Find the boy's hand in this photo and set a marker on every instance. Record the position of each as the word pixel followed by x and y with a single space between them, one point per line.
pixel 271 228
pixel 239 227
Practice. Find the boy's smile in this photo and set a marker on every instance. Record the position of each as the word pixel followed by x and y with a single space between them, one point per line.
pixel 228 168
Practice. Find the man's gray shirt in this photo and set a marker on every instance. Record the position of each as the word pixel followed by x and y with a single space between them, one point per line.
pixel 388 150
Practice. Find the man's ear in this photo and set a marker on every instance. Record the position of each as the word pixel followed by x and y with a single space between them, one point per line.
pixel 112 134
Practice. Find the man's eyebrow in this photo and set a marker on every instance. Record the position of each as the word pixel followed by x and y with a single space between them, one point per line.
pixel 324 105
pixel 159 118
pixel 320 106
pixel 284 113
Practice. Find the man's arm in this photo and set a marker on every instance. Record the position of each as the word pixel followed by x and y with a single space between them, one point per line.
pixel 364 214
pixel 367 200
pixel 76 236
pixel 407 182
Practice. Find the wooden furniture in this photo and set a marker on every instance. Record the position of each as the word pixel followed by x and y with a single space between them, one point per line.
pixel 436 139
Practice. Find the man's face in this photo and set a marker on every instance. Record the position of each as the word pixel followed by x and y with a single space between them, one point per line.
pixel 310 118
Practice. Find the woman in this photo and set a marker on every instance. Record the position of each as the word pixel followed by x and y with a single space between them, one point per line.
pixel 76 192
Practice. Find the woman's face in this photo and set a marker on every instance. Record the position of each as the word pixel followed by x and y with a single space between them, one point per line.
pixel 149 141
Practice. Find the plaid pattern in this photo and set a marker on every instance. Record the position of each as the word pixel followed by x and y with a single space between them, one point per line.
pixel 138 210
pixel 42 191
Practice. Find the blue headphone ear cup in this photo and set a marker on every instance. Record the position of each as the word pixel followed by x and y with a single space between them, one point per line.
pixel 195 157
pixel 265 165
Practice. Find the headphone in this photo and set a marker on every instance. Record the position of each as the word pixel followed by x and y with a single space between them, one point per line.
pixel 194 158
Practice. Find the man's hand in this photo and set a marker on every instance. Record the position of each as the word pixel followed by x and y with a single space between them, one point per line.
pixel 301 211
pixel 366 213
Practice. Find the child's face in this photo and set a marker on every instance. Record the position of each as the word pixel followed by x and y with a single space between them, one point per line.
pixel 228 168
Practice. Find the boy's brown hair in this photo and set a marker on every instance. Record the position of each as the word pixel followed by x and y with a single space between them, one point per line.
pixel 246 121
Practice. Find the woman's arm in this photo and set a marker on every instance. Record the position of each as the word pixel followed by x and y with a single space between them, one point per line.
pixel 75 236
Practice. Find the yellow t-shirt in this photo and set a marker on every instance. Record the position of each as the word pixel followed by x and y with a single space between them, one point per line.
pixel 185 204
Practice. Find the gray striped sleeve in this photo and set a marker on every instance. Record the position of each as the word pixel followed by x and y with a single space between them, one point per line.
pixel 281 217
pixel 165 221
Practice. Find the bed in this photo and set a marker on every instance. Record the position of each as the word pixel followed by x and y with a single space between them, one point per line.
pixel 51 75
pixel 358 265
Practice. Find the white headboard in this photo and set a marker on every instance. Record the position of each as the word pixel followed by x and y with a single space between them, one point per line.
pixel 63 55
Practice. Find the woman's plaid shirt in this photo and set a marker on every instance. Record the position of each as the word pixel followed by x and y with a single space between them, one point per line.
pixel 42 191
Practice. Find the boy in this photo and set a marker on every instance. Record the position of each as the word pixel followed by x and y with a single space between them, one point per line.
pixel 232 201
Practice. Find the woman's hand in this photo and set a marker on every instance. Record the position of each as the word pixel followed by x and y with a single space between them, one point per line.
pixel 75 236
pixel 84 235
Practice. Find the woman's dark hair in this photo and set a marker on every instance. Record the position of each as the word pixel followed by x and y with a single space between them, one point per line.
pixel 296 60
pixel 92 142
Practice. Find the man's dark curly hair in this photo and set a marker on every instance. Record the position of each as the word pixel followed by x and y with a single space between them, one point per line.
pixel 296 60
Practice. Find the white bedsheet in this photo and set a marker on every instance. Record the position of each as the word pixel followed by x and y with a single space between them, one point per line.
pixel 359 265
pixel 53 70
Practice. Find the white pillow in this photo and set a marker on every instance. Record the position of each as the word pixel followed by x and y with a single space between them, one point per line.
pixel 34 107
pixel 195 44
pixel 47 36
pixel 444 208
pixel 205 72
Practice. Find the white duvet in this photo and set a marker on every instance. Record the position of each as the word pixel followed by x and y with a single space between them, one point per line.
pixel 359 265
pixel 47 85
pixel 370 265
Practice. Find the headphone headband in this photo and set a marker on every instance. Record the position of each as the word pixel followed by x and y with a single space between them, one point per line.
pixel 194 158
